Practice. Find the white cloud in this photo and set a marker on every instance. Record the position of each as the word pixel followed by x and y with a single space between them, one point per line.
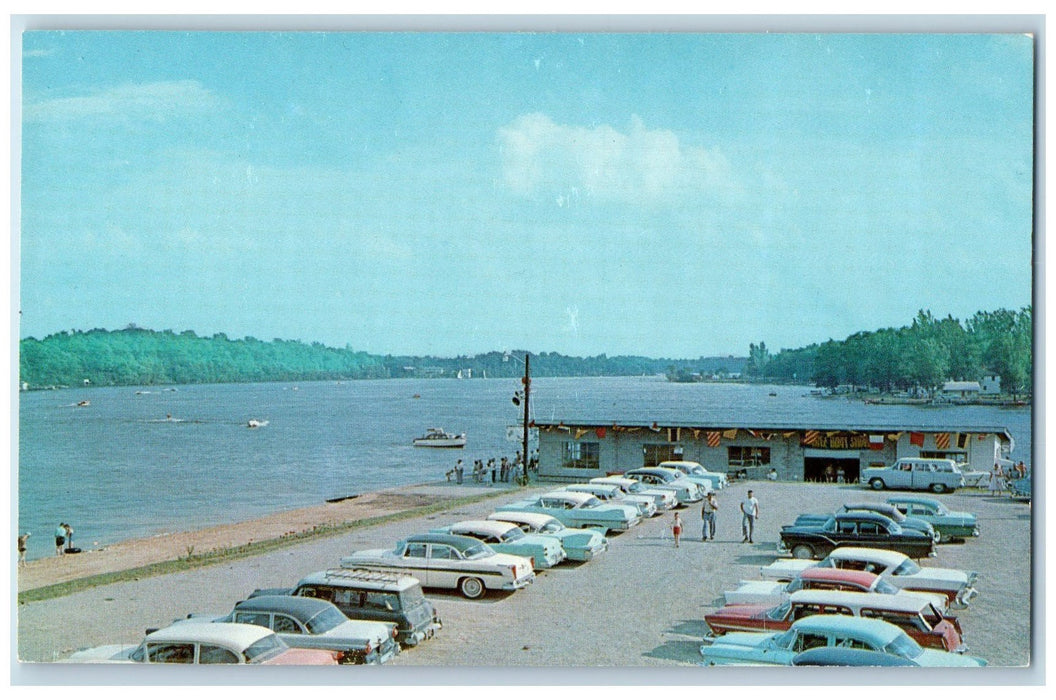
pixel 639 165
pixel 148 101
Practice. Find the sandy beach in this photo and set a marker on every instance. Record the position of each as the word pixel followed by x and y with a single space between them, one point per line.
pixel 135 553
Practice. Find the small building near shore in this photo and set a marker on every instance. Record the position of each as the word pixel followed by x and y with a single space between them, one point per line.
pixel 964 391
pixel 577 451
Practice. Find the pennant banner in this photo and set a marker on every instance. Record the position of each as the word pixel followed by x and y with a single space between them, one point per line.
pixel 730 434
pixel 962 440
pixel 600 432
pixel 916 439
pixel 942 441
pixel 580 432
pixel 810 437
pixel 713 438
pixel 876 442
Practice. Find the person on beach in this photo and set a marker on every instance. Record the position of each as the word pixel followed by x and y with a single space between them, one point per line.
pixel 750 513
pixel 69 536
pixel 491 465
pixel 707 517
pixel 458 472
pixel 22 548
pixel 60 538
pixel 676 528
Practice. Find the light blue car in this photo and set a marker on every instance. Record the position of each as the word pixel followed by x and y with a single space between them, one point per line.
pixel 507 538
pixel 579 545
pixel 947 523
pixel 579 510
pixel 837 631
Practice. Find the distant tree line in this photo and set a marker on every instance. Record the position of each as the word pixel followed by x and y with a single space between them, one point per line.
pixel 922 355
pixel 137 356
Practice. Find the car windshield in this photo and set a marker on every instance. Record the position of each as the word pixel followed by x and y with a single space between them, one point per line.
pixel 265 648
pixel 783 640
pixel 885 586
pixel 794 585
pixel 412 596
pixel 552 526
pixel 636 487
pixel 894 528
pixel 327 619
pixel 830 525
pixel 590 503
pixel 906 568
pixel 477 551
pixel 512 535
pixel 780 611
pixel 904 646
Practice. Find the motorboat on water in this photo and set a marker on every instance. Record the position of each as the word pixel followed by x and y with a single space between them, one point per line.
pixel 438 437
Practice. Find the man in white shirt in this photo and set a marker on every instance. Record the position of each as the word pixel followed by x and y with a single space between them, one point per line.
pixel 750 511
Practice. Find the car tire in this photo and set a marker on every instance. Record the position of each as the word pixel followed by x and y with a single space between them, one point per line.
pixel 938 488
pixel 802 551
pixel 877 484
pixel 471 587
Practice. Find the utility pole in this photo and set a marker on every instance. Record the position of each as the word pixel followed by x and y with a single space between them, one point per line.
pixel 527 381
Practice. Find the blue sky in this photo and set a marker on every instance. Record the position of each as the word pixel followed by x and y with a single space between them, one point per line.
pixel 670 195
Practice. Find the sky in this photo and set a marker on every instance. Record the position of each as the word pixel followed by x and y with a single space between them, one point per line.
pixel 664 194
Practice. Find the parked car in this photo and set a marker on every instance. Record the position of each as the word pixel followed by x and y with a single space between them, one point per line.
pixel 664 498
pixel 579 510
pixel 706 485
pixel 614 494
pixel 718 479
pixel 685 491
pixel 885 509
pixel 856 528
pixel 915 473
pixel 916 615
pixel 506 538
pixel 947 523
pixel 770 593
pixel 310 623
pixel 372 595
pixel 579 544
pixel 779 648
pixel 896 568
pixel 209 643
pixel 449 561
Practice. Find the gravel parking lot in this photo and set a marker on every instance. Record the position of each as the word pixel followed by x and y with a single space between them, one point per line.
pixel 639 605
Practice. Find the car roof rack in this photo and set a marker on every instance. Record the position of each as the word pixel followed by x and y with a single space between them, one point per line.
pixel 366 573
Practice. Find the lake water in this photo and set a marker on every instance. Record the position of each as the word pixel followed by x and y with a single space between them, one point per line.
pixel 144 461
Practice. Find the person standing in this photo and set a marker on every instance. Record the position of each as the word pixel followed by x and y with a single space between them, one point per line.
pixel 60 538
pixel 750 513
pixel 22 548
pixel 996 477
pixel 69 536
pixel 676 528
pixel 458 472
pixel 707 517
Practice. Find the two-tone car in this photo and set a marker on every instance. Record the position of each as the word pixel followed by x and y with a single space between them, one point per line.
pixel 449 561
pixel 855 528
pixel 898 569
pixel 608 493
pixel 949 524
pixel 310 623
pixel 579 510
pixel 663 498
pixel 885 509
pixel 780 648
pixel 209 643
pixel 506 538
pixel 919 618
pixel 579 544
pixel 381 596
pixel 769 592
pixel 685 491
pixel 917 474
pixel 718 480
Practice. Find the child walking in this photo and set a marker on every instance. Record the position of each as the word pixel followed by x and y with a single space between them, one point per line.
pixel 676 528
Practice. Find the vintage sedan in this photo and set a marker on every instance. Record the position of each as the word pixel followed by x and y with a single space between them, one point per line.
pixel 949 524
pixel 896 568
pixel 718 479
pixel 770 592
pixel 664 498
pixel 885 509
pixel 506 538
pixel 846 656
pixel 579 544
pixel 916 615
pixel 685 491
pixel 449 561
pixel 209 643
pixel 614 494
pixel 857 528
pixel 310 623
pixel 780 648
pixel 579 510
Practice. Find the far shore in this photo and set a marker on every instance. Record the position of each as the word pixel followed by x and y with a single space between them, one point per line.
pixel 292 524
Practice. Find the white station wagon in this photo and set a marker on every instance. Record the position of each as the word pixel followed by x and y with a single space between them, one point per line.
pixel 449 561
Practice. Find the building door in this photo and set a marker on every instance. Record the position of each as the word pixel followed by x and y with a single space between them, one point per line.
pixel 826 465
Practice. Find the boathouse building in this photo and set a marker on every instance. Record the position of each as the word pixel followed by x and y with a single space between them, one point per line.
pixel 575 451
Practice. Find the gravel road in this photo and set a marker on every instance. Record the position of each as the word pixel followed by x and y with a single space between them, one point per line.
pixel 639 605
